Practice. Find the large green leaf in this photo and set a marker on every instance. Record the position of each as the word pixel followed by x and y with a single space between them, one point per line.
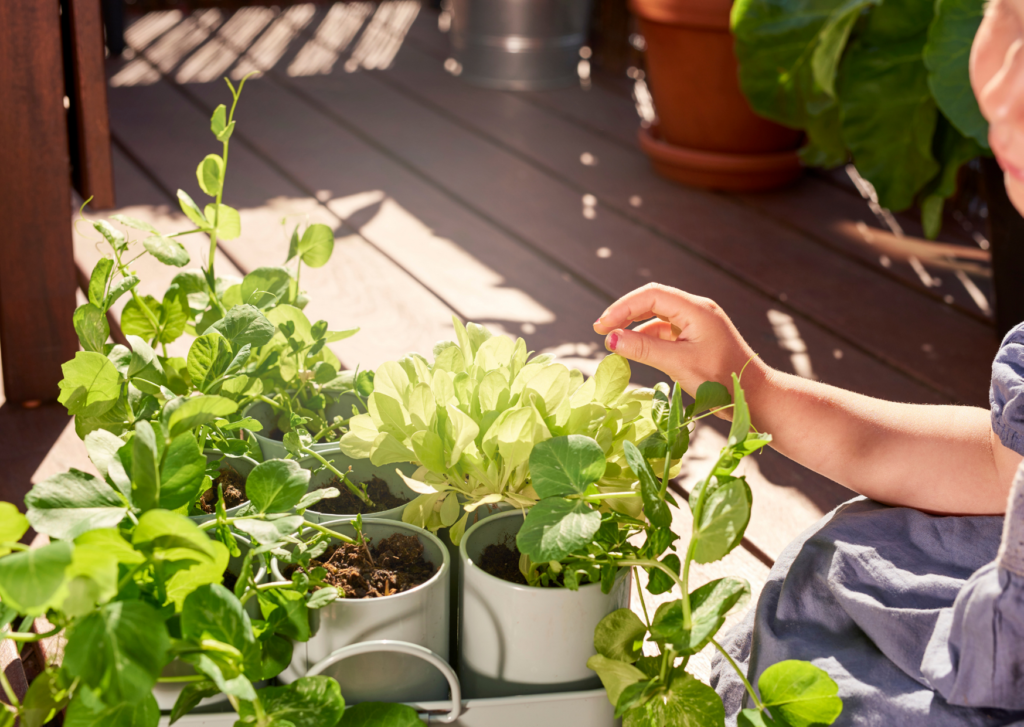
pixel 167 250
pixel 316 245
pixel 213 612
pixel 119 648
pixel 832 42
pixel 98 282
pixel 198 410
pixel 556 527
pixel 91 384
pixel 12 525
pixel 306 702
pixel 208 359
pixel 710 395
pixel 953 150
pixel 566 465
pixel 946 56
pixel 163 530
pixel 229 224
pixel 276 485
pixel 265 286
pixel 800 693
pixel 91 326
pixel 30 580
pixel 182 472
pixel 620 636
pixel 245 324
pixel 689 703
pixel 709 604
pixel 615 675
pixel 73 502
pixel 611 379
pixel 88 710
pixel 889 116
pixel 723 519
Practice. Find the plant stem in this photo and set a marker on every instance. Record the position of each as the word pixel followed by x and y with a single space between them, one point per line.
pixel 29 637
pixel 326 531
pixel 12 698
pixel 14 546
pixel 668 657
pixel 181 680
pixel 736 667
pixel 660 566
pixel 698 510
pixel 643 605
pixel 608 496
pixel 340 475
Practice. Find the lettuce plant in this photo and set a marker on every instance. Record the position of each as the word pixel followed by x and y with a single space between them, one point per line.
pixel 571 537
pixel 885 83
pixel 472 417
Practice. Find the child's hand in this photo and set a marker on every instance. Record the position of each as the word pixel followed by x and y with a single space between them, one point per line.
pixel 693 342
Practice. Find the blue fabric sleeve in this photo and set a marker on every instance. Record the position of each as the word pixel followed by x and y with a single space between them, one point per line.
pixel 1006 395
pixel 975 656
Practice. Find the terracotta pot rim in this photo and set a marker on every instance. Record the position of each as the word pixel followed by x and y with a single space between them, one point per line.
pixel 706 14
pixel 722 162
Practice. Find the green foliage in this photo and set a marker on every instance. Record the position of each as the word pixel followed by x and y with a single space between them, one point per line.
pixel 876 81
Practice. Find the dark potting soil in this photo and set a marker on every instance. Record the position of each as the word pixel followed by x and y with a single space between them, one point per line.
pixel 230 580
pixel 348 504
pixel 501 560
pixel 397 565
pixel 276 434
pixel 234 491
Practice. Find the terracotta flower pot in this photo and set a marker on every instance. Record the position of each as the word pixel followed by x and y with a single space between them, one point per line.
pixel 707 135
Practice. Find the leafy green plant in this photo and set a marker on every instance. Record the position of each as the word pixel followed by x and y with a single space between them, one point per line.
pixel 471 418
pixel 571 537
pixel 885 83
pixel 251 339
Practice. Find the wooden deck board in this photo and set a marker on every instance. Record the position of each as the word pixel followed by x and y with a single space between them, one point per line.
pixel 922 340
pixel 356 288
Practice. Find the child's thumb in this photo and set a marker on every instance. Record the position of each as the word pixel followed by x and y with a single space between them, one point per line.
pixel 643 348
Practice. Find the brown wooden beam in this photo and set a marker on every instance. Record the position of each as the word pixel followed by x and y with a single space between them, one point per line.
pixel 86 88
pixel 37 270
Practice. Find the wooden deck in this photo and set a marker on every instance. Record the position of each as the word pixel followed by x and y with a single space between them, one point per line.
pixel 527 212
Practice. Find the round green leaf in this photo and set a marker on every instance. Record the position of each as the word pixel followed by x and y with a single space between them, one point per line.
pixel 709 604
pixel 689 703
pixel 556 527
pixel 615 675
pixel 91 384
pixel 620 636
pixel 229 224
pixel 316 245
pixel 800 693
pixel 87 710
pixel 167 250
pixel 182 473
pixel 276 485
pixel 213 612
pixel 723 520
pixel 12 525
pixel 209 174
pixel 566 465
pixel 265 286
pixel 31 579
pixel 306 702
pixel 71 503
pixel 209 357
pixel 946 56
pixel 245 324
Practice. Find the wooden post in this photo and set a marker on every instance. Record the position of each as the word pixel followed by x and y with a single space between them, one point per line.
pixel 37 268
pixel 86 88
pixel 1006 235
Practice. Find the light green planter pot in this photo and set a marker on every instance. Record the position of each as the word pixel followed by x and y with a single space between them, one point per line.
pixel 240 463
pixel 419 616
pixel 362 471
pixel 517 640
pixel 265 415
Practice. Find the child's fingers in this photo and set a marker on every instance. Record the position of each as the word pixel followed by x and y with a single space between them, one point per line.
pixel 665 330
pixel 647 346
pixel 647 302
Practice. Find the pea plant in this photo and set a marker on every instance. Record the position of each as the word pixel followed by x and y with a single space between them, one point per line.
pixel 251 339
pixel 471 418
pixel 571 537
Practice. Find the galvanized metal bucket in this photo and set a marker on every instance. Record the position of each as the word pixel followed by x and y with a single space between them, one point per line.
pixel 517 640
pixel 519 45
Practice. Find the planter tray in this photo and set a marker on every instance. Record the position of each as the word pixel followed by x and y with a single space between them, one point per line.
pixel 589 708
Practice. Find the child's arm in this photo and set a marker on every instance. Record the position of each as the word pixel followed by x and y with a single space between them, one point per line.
pixel 937 458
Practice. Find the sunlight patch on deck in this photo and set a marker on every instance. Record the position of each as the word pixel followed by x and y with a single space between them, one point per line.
pixel 336 31
pixel 214 58
pixel 384 36
pixel 273 44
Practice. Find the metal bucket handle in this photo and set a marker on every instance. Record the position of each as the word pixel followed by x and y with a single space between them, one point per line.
pixel 401 647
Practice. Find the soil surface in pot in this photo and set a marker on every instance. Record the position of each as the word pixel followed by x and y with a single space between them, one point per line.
pixel 234 491
pixel 397 564
pixel 348 504
pixel 501 560
pixel 230 580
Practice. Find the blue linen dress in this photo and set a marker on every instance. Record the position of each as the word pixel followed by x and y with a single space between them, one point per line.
pixel 919 618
